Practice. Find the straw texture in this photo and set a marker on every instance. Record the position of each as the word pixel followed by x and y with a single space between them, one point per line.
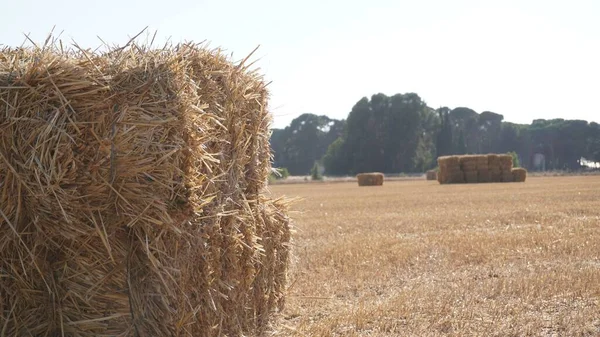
pixel 431 175
pixel 450 171
pixel 370 179
pixel 131 195
pixel 475 169
pixel 519 174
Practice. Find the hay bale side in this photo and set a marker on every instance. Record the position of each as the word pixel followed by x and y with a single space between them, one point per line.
pixel 370 179
pixel 471 177
pixel 431 175
pixel 468 163
pixel 505 161
pixel 519 174
pixel 482 162
pixel 450 172
pixel 484 176
pixel 124 221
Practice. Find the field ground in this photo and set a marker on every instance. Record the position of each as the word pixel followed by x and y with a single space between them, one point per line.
pixel 415 258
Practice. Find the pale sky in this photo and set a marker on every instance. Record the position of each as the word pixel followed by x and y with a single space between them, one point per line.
pixel 524 59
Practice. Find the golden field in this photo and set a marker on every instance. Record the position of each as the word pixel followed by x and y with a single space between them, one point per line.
pixel 415 258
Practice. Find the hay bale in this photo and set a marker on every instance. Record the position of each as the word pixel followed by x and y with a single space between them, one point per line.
pixel 471 177
pixel 519 174
pixel 482 162
pixel 132 195
pixel 493 161
pixel 484 176
pixel 468 163
pixel 507 177
pixel 449 161
pixel 450 172
pixel 431 175
pixel 505 161
pixel 370 179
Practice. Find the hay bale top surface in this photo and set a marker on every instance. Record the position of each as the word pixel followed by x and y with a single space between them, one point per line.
pixel 449 161
pixel 469 159
pixel 369 174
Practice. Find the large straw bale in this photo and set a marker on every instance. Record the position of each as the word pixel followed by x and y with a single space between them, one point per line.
pixel 507 177
pixel 483 164
pixel 449 161
pixel 505 162
pixel 450 172
pixel 483 176
pixel 471 177
pixel 493 161
pixel 131 195
pixel 519 174
pixel 468 163
pixel 370 179
pixel 431 175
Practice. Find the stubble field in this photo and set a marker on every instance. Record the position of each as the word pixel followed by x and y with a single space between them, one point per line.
pixel 414 258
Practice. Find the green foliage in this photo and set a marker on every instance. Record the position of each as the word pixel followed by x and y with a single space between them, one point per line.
pixel 515 159
pixel 314 173
pixel 335 160
pixel 306 140
pixel 400 133
pixel 385 134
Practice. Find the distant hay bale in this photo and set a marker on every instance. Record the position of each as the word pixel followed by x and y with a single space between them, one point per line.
pixel 505 162
pixel 468 162
pixel 450 172
pixel 475 169
pixel 449 161
pixel 482 162
pixel 507 177
pixel 431 175
pixel 132 195
pixel 519 174
pixel 471 177
pixel 483 176
pixel 370 179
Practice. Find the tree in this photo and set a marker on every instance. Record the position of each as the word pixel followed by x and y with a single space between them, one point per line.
pixel 386 134
pixel 335 160
pixel 299 145
pixel 444 138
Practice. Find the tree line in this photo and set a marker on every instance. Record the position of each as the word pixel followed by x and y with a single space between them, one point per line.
pixel 400 133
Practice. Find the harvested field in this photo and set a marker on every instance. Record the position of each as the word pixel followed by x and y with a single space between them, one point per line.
pixel 416 258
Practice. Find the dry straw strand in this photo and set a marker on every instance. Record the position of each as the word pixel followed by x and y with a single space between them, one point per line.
pixel 134 181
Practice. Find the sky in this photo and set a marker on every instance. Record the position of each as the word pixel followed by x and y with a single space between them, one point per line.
pixel 524 59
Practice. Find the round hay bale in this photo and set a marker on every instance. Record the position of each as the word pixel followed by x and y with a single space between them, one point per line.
pixel 370 179
pixel 431 175
pixel 519 174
